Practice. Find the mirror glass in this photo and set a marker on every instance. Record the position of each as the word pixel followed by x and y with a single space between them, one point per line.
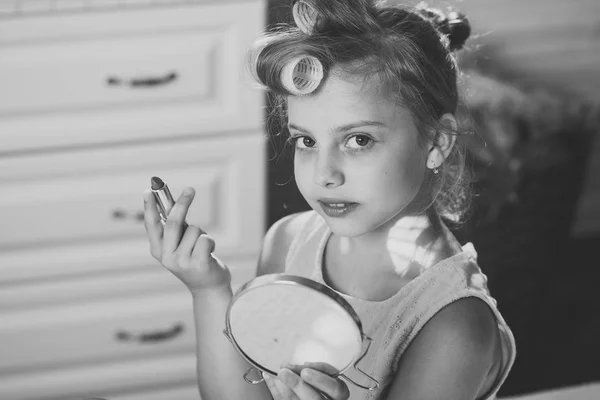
pixel 282 323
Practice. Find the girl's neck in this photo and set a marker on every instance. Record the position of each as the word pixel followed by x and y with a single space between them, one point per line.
pixel 406 244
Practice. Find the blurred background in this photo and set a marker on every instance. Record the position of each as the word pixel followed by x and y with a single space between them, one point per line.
pixel 98 96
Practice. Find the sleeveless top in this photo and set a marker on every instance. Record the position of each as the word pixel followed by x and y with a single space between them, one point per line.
pixel 393 323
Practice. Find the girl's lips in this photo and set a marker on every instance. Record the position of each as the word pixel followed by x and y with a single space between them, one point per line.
pixel 337 209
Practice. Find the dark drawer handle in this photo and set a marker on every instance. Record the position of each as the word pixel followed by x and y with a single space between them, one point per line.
pixel 121 214
pixel 150 337
pixel 142 82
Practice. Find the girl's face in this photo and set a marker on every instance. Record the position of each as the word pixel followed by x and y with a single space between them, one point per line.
pixel 357 162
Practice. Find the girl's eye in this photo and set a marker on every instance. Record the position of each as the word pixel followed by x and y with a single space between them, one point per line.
pixel 303 142
pixel 358 141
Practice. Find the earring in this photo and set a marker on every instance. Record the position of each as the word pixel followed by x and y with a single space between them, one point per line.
pixel 435 170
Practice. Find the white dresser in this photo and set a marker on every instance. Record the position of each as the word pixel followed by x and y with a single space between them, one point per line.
pixel 96 97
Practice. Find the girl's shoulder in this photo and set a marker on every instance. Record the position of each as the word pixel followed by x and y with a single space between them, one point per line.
pixel 460 343
pixel 278 240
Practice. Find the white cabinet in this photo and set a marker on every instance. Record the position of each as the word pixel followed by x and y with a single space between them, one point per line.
pixel 93 103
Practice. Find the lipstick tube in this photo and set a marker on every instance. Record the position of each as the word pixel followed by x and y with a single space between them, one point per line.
pixel 163 197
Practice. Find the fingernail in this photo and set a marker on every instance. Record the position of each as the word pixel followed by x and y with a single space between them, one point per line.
pixel 188 191
pixel 288 377
pixel 307 373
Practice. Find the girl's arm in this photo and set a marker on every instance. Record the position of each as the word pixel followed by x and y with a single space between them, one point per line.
pixel 451 357
pixel 186 251
pixel 220 368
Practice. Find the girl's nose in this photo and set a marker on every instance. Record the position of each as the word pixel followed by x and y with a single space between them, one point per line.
pixel 327 172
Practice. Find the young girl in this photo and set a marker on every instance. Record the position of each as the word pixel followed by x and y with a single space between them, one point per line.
pixel 370 113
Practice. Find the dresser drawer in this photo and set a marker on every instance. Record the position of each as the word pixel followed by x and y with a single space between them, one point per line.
pixel 90 85
pixel 116 349
pixel 95 332
pixel 178 393
pixel 143 70
pixel 106 380
pixel 93 197
pixel 40 289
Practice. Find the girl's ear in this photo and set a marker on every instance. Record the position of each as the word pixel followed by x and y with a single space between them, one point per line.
pixel 442 141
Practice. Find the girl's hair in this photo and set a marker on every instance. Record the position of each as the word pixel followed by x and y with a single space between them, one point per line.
pixel 408 52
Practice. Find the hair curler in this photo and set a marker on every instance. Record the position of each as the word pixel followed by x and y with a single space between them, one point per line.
pixel 305 16
pixel 302 75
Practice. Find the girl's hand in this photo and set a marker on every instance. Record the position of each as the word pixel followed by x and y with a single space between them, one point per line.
pixel 185 250
pixel 310 384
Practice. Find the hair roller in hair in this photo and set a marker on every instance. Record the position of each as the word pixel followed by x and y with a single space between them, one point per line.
pixel 302 75
pixel 305 16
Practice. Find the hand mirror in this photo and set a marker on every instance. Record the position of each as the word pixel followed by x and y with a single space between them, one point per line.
pixel 278 319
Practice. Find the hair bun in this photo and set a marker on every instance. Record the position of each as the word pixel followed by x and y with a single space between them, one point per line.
pixel 455 26
pixel 459 29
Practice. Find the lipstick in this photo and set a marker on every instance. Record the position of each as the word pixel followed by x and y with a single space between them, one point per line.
pixel 163 197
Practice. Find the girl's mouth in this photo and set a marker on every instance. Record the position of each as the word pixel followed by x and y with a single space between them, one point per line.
pixel 337 209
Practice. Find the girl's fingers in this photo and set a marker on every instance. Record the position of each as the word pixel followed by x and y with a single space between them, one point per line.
pixel 302 389
pixel 190 236
pixel 332 387
pixel 203 247
pixel 176 221
pixel 279 390
pixel 153 224
pixel 320 366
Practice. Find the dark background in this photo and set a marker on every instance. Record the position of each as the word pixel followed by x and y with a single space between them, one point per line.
pixel 544 278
